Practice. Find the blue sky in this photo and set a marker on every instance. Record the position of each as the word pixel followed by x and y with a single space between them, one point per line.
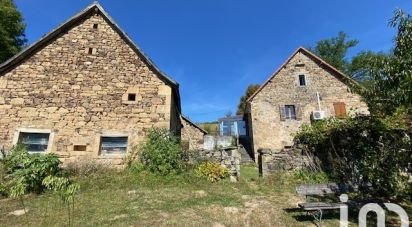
pixel 215 48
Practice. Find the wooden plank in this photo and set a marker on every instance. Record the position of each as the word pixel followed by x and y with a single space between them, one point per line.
pixel 319 206
pixel 324 189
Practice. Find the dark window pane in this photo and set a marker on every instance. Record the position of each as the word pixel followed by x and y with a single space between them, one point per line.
pixel 131 97
pixel 113 145
pixel 302 80
pixel 35 142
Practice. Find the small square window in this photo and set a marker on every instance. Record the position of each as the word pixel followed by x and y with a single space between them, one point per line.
pixel 90 51
pixel 35 142
pixel 290 112
pixel 131 97
pixel 302 80
pixel 113 145
pixel 95 26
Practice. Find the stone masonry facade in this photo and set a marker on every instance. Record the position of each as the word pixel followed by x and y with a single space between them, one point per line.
pixel 192 134
pixel 266 108
pixel 86 83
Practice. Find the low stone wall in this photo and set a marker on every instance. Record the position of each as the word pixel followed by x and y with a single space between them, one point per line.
pixel 287 159
pixel 228 157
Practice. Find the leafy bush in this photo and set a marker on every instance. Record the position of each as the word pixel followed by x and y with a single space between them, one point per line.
pixel 136 167
pixel 363 150
pixel 25 173
pixel 213 172
pixel 311 177
pixel 161 153
pixel 29 169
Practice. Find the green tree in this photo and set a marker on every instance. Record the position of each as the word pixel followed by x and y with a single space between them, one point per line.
pixel 12 37
pixel 361 64
pixel 251 89
pixel 390 87
pixel 333 50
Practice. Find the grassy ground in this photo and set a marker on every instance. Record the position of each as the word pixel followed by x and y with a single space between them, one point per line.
pixel 124 199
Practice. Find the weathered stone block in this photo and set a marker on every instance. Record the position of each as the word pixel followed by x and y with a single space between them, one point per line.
pixel 17 101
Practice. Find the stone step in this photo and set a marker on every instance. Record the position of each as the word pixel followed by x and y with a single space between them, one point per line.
pixel 245 156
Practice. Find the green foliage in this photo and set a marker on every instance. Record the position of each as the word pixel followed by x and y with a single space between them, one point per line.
pixel 363 62
pixel 311 177
pixel 363 150
pixel 61 185
pixel 389 84
pixel 161 153
pixel 136 167
pixel 213 172
pixel 12 37
pixel 28 170
pixel 333 50
pixel 26 173
pixel 251 89
pixel 65 189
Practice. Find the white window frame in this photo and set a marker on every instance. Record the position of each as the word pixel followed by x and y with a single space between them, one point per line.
pixel 35 130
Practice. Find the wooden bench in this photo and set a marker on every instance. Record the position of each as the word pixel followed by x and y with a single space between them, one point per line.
pixel 316 208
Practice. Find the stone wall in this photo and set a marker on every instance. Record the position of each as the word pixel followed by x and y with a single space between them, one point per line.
pixel 79 94
pixel 192 134
pixel 269 131
pixel 228 157
pixel 287 159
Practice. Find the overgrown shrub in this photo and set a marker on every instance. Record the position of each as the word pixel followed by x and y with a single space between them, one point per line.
pixel 29 169
pixel 212 171
pixel 311 177
pixel 363 150
pixel 161 152
pixel 25 173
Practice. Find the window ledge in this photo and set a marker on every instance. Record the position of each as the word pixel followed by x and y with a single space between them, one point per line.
pixel 112 156
pixel 129 102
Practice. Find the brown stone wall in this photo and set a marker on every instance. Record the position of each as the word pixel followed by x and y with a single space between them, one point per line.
pixel 79 96
pixel 269 131
pixel 192 135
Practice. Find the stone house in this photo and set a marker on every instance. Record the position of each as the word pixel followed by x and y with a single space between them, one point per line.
pixel 85 90
pixel 303 89
pixel 192 134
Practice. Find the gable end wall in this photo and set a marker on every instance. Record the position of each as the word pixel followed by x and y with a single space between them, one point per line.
pixel 81 96
pixel 269 132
